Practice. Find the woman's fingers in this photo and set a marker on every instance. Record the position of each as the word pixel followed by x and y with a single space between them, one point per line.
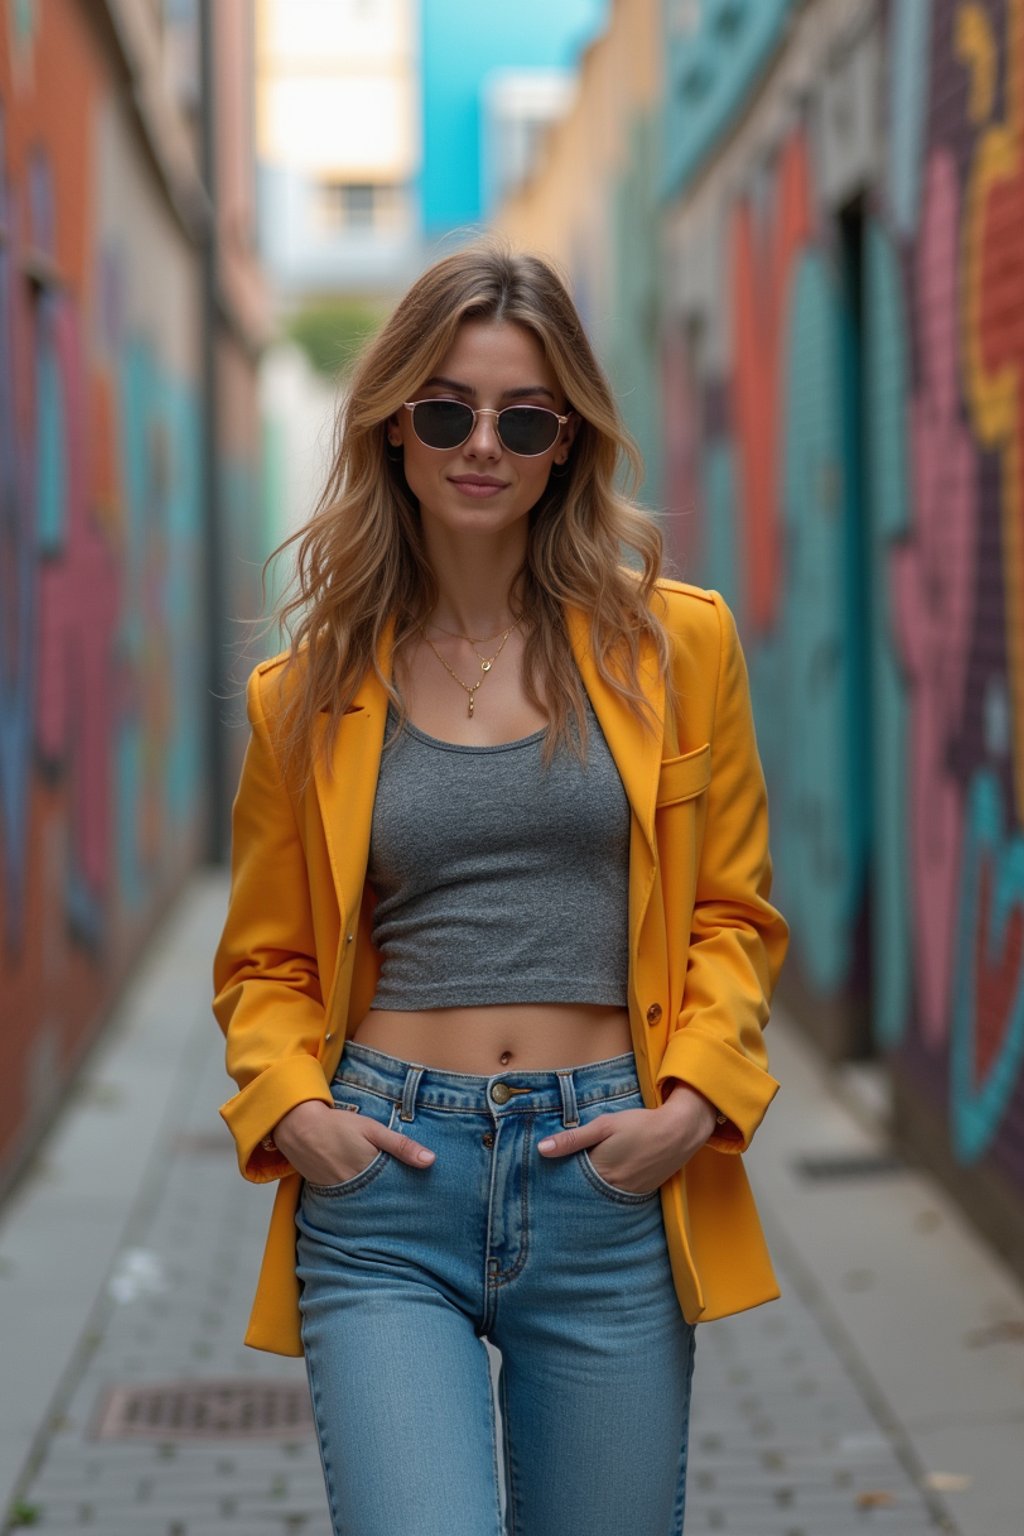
pixel 576 1138
pixel 403 1147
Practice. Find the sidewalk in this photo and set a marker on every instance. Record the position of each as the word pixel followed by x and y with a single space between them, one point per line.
pixel 884 1393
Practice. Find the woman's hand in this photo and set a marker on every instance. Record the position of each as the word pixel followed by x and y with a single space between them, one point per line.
pixel 328 1146
pixel 641 1148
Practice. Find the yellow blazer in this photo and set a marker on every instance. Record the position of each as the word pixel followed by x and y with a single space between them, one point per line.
pixel 295 969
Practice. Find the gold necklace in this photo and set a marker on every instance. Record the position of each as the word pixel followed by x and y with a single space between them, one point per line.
pixel 455 635
pixel 486 663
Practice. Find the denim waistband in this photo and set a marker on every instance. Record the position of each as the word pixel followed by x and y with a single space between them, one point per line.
pixel 508 1092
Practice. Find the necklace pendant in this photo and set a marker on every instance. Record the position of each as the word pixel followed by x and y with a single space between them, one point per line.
pixel 485 666
pixel 472 701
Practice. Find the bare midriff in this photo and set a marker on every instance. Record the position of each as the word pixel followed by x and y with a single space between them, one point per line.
pixel 531 1036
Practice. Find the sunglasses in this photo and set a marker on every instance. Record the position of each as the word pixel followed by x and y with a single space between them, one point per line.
pixel 528 430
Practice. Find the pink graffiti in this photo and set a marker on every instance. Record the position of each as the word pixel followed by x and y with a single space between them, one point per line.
pixel 682 514
pixel 932 581
pixel 78 614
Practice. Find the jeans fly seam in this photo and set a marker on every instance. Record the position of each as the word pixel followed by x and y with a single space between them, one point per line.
pixel 505 1276
pixel 487 1310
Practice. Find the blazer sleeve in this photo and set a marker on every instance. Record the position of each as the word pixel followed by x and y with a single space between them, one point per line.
pixel 267 995
pixel 738 940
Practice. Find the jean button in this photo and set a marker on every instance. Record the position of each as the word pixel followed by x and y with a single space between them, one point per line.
pixel 488 1138
pixel 501 1093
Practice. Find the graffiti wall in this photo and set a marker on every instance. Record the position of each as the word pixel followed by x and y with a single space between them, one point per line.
pixel 816 289
pixel 859 493
pixel 101 793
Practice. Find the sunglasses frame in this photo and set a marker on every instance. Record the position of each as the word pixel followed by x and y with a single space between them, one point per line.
pixel 484 410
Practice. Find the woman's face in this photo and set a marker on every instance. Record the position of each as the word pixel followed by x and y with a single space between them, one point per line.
pixel 481 486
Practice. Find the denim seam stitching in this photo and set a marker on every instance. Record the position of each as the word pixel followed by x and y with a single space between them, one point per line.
pixel 316 1397
pixel 610 1191
pixel 679 1513
pixel 511 1469
pixel 506 1276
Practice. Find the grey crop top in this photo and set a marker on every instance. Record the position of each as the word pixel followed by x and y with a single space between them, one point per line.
pixel 497 880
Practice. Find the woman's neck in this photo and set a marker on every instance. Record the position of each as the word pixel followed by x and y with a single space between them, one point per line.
pixel 476 585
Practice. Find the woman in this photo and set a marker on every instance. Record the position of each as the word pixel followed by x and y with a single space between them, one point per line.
pixel 500 883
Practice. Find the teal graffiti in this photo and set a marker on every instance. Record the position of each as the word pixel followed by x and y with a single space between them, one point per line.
pixel 990 856
pixel 909 68
pixel 160 636
pixel 723 560
pixel 823 815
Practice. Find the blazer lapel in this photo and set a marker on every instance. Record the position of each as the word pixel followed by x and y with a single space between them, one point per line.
pixel 346 797
pixel 636 747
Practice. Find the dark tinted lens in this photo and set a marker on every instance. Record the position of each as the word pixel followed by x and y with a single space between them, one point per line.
pixel 528 429
pixel 442 423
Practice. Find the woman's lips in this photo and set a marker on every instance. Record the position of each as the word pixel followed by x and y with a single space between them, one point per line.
pixel 477 485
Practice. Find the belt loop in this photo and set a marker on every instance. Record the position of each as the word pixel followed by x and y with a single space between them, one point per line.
pixel 570 1109
pixel 412 1082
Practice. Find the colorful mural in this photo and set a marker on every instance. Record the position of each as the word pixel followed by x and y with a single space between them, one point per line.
pixel 101 796
pixel 862 496
pixel 837 347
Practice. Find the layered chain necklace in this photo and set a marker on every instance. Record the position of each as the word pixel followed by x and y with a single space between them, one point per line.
pixel 486 662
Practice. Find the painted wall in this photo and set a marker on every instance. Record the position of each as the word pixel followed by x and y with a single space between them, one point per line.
pixel 458 47
pixel 838 299
pixel 103 767
pixel 863 448
pixel 595 212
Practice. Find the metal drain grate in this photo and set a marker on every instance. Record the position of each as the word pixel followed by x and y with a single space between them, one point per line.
pixel 206 1410
pixel 848 1165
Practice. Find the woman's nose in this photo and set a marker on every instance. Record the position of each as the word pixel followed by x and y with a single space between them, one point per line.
pixel 484 439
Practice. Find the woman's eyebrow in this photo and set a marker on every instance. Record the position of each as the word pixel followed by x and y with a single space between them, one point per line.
pixel 440 382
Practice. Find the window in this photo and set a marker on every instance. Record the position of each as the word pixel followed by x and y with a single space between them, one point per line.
pixel 355 205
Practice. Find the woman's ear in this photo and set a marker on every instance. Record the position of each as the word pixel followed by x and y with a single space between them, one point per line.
pixel 567 438
pixel 394 432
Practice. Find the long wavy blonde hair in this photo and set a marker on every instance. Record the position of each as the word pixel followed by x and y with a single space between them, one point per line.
pixel 361 560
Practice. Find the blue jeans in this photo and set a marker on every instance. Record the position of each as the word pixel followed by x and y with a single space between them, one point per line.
pixel 406 1271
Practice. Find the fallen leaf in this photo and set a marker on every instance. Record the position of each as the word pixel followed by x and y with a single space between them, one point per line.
pixel 875 1498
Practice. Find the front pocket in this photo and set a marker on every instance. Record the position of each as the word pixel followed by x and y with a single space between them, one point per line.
pixel 597 1180
pixel 370 1106
pixel 611 1191
pixel 683 777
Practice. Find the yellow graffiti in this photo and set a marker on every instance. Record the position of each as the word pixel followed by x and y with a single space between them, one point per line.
pixel 993 383
pixel 976 46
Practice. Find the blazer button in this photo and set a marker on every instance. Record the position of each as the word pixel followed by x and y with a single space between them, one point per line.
pixel 329 1036
pixel 349 937
pixel 654 1013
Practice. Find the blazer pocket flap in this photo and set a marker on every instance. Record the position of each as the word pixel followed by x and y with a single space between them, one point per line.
pixel 683 777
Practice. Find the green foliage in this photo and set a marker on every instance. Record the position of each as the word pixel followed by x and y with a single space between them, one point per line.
pixel 332 331
pixel 23 1514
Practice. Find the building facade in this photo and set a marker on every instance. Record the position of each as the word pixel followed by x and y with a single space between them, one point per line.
pixel 798 241
pixel 131 314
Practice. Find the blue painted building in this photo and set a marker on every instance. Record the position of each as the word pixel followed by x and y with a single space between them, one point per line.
pixel 461 50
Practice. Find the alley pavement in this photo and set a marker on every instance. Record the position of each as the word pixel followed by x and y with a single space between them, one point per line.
pixel 883 1393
